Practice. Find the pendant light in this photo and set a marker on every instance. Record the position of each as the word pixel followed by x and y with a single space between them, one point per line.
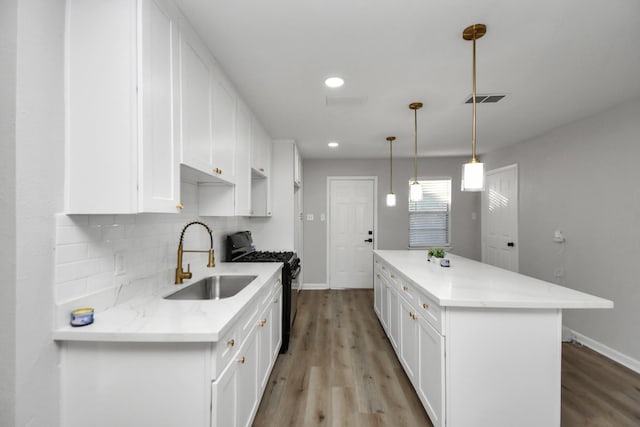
pixel 473 171
pixel 391 198
pixel 415 189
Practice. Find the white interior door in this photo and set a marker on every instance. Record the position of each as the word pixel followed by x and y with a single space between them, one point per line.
pixel 351 232
pixel 500 218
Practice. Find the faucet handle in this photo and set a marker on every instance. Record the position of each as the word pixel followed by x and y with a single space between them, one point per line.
pixel 188 274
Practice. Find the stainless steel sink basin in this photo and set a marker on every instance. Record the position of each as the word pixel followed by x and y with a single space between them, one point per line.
pixel 214 287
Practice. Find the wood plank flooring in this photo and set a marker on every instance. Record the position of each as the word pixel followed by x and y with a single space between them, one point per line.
pixel 340 370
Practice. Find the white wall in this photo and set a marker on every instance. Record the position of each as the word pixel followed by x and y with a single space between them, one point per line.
pixel 393 222
pixel 583 179
pixel 8 34
pixel 39 153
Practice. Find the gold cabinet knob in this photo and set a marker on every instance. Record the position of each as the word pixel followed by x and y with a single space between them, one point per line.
pixel 425 306
pixel 261 169
pixel 218 171
pixel 411 314
pixel 262 322
pixel 231 342
pixel 241 360
pixel 415 317
pixel 180 206
pixel 406 289
pixel 392 276
pixel 378 275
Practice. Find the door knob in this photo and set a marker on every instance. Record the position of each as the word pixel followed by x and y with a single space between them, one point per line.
pixel 368 240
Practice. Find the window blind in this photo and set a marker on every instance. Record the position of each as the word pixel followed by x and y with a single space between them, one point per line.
pixel 429 218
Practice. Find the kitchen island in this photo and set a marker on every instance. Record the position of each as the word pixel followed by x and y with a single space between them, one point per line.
pixel 481 345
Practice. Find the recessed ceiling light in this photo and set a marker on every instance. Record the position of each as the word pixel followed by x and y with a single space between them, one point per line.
pixel 333 144
pixel 334 82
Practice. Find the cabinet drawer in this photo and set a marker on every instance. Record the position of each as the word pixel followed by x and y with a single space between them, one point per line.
pixel 224 350
pixel 407 290
pixel 430 310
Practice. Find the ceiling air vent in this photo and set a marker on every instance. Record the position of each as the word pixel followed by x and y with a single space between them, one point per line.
pixel 485 99
pixel 346 100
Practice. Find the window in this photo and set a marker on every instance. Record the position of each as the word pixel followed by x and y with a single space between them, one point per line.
pixel 429 219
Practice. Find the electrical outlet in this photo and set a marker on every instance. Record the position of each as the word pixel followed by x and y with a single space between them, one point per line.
pixel 119 265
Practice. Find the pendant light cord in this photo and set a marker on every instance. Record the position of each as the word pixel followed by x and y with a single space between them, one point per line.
pixel 391 167
pixel 415 145
pixel 473 120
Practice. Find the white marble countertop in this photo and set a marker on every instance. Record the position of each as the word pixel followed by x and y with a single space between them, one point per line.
pixel 152 318
pixel 468 283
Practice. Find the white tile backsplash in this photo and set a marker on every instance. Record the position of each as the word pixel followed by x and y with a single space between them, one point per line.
pixel 127 255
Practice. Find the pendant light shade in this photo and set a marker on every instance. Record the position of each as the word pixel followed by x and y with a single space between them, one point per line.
pixel 415 192
pixel 473 172
pixel 391 198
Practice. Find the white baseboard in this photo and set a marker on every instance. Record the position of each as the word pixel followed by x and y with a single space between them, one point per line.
pixel 314 286
pixel 594 345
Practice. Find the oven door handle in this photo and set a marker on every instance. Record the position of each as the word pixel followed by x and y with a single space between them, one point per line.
pixel 296 272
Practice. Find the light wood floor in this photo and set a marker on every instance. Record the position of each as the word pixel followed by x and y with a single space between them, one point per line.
pixel 340 370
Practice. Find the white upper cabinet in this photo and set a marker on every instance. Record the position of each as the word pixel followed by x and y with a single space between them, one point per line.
pixel 122 138
pixel 207 112
pixel 260 149
pixel 242 160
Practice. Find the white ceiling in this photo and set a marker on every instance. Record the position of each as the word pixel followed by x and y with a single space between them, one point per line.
pixel 557 60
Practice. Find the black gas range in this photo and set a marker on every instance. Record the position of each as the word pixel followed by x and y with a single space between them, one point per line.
pixel 240 248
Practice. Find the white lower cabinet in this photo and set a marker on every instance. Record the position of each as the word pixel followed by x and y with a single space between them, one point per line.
pixel 409 340
pixel 237 392
pixel 393 320
pixel 430 373
pixel 410 320
pixel 168 384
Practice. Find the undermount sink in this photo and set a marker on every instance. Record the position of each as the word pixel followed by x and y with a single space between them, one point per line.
pixel 213 287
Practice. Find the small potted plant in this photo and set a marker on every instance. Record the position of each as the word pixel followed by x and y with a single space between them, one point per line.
pixel 435 253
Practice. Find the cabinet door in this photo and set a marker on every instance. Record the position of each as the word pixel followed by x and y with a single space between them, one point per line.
pixel 159 184
pixel 384 304
pixel 224 124
pixel 265 331
pixel 197 141
pixel 431 371
pixel 224 398
pixel 297 169
pixel 247 391
pixel 377 293
pixel 276 336
pixel 408 340
pixel 243 168
pixel 394 318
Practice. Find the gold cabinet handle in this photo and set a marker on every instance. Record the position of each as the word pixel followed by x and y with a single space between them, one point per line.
pixel 218 171
pixel 415 317
pixel 241 360
pixel 425 306
pixel 231 342
pixel 180 206
pixel 406 289
pixel 411 314
pixel 262 322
